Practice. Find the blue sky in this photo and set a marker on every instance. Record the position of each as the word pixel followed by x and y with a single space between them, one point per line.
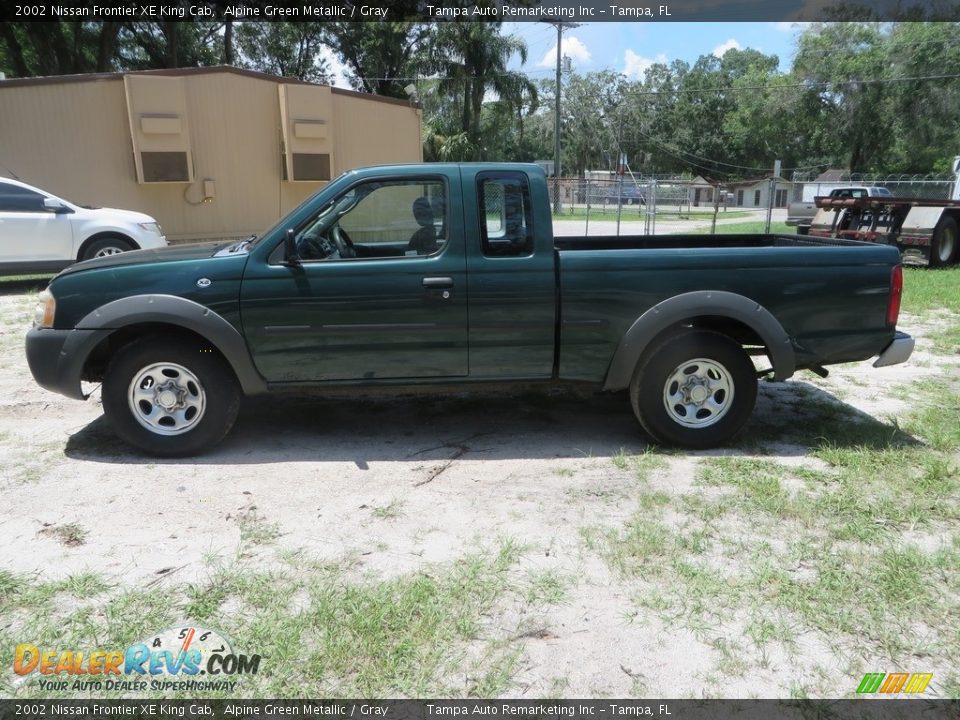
pixel 630 47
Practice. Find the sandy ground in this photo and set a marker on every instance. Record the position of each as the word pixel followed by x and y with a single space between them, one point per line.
pixel 400 486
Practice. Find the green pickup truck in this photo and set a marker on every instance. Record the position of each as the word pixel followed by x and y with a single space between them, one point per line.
pixel 449 275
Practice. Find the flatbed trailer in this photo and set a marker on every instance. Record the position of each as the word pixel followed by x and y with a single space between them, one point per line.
pixel 924 226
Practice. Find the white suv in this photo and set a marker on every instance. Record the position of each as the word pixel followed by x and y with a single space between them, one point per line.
pixel 40 232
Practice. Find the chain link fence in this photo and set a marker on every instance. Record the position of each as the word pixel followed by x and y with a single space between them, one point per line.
pixel 936 186
pixel 604 195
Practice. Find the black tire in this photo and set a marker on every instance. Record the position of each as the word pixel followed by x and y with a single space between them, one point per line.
pixel 106 245
pixel 718 410
pixel 944 248
pixel 189 396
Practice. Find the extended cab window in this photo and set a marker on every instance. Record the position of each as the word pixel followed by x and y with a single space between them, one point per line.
pixel 506 217
pixel 377 219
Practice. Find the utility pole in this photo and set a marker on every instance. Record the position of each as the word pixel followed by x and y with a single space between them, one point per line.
pixel 770 193
pixel 560 26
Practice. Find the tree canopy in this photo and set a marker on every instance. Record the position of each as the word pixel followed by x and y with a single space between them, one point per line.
pixel 870 97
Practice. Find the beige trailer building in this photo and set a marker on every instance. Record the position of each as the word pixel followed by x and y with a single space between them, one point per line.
pixel 209 152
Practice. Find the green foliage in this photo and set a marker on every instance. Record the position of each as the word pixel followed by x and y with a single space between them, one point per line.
pixel 288 49
pixel 871 97
pixel 471 60
pixel 383 57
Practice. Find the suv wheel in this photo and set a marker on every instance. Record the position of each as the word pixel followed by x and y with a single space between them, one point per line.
pixel 102 247
pixel 170 398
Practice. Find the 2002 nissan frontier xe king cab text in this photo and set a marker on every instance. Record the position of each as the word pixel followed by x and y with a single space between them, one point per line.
pixel 450 274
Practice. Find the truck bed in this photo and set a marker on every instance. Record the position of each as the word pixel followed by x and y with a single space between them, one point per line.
pixel 829 294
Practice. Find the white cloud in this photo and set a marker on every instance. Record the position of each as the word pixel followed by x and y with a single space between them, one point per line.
pixel 721 49
pixel 572 47
pixel 634 66
pixel 338 71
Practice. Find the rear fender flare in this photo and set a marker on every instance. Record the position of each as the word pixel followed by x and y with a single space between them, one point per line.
pixel 179 312
pixel 675 310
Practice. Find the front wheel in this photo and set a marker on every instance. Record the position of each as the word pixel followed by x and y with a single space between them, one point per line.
pixel 106 246
pixel 695 389
pixel 170 398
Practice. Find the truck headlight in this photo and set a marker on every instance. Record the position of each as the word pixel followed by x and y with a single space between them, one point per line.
pixel 46 308
pixel 151 227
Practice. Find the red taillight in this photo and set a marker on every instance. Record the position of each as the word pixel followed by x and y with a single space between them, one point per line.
pixel 896 292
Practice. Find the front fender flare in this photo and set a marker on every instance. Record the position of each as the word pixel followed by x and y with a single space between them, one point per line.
pixel 716 303
pixel 169 310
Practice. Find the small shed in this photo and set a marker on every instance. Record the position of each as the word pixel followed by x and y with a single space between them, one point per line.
pixel 755 192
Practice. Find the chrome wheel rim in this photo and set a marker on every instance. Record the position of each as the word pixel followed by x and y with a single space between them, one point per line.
pixel 167 399
pixel 698 393
pixel 107 251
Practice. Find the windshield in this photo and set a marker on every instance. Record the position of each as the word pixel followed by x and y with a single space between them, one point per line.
pixel 270 230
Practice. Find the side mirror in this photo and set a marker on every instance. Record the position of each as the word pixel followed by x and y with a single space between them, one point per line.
pixel 290 254
pixel 55 206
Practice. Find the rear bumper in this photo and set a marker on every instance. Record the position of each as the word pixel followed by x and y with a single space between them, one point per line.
pixel 898 351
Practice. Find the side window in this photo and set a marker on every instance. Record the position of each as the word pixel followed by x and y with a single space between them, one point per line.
pixel 378 219
pixel 506 217
pixel 14 198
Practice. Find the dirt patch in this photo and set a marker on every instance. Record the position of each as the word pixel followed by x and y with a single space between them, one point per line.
pixel 387 489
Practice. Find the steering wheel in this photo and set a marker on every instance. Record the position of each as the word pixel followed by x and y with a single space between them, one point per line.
pixel 343 242
pixel 312 247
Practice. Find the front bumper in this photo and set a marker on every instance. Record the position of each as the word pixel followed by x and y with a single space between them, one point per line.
pixel 56 358
pixel 898 351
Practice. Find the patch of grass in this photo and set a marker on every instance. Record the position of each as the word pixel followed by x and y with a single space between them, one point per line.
pixel 256 530
pixel 548 587
pixel 390 511
pixel 642 463
pixel 745 228
pixel 851 553
pixel 320 634
pixel 926 290
pixel 496 670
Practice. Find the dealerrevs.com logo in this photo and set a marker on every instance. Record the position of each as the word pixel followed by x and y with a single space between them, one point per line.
pixel 174 659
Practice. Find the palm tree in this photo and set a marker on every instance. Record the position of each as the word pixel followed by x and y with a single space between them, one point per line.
pixel 471 59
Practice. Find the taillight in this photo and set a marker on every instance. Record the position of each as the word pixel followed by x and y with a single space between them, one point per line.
pixel 896 292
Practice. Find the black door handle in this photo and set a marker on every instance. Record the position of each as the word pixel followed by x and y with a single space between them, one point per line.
pixel 438 283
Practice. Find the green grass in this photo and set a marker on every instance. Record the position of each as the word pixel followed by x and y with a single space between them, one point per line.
pixel 850 552
pixel 548 587
pixel 632 214
pixel 747 228
pixel 926 290
pixel 320 632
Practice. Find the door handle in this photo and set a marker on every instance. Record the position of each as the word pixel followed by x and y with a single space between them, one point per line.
pixel 438 283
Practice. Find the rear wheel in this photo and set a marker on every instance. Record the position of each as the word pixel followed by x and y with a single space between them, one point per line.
pixel 943 246
pixel 695 389
pixel 170 397
pixel 105 246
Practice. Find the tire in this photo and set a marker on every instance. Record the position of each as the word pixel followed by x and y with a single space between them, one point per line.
pixel 170 397
pixel 708 370
pixel 105 246
pixel 944 248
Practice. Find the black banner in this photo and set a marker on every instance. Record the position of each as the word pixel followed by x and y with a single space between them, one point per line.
pixel 574 11
pixel 866 709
